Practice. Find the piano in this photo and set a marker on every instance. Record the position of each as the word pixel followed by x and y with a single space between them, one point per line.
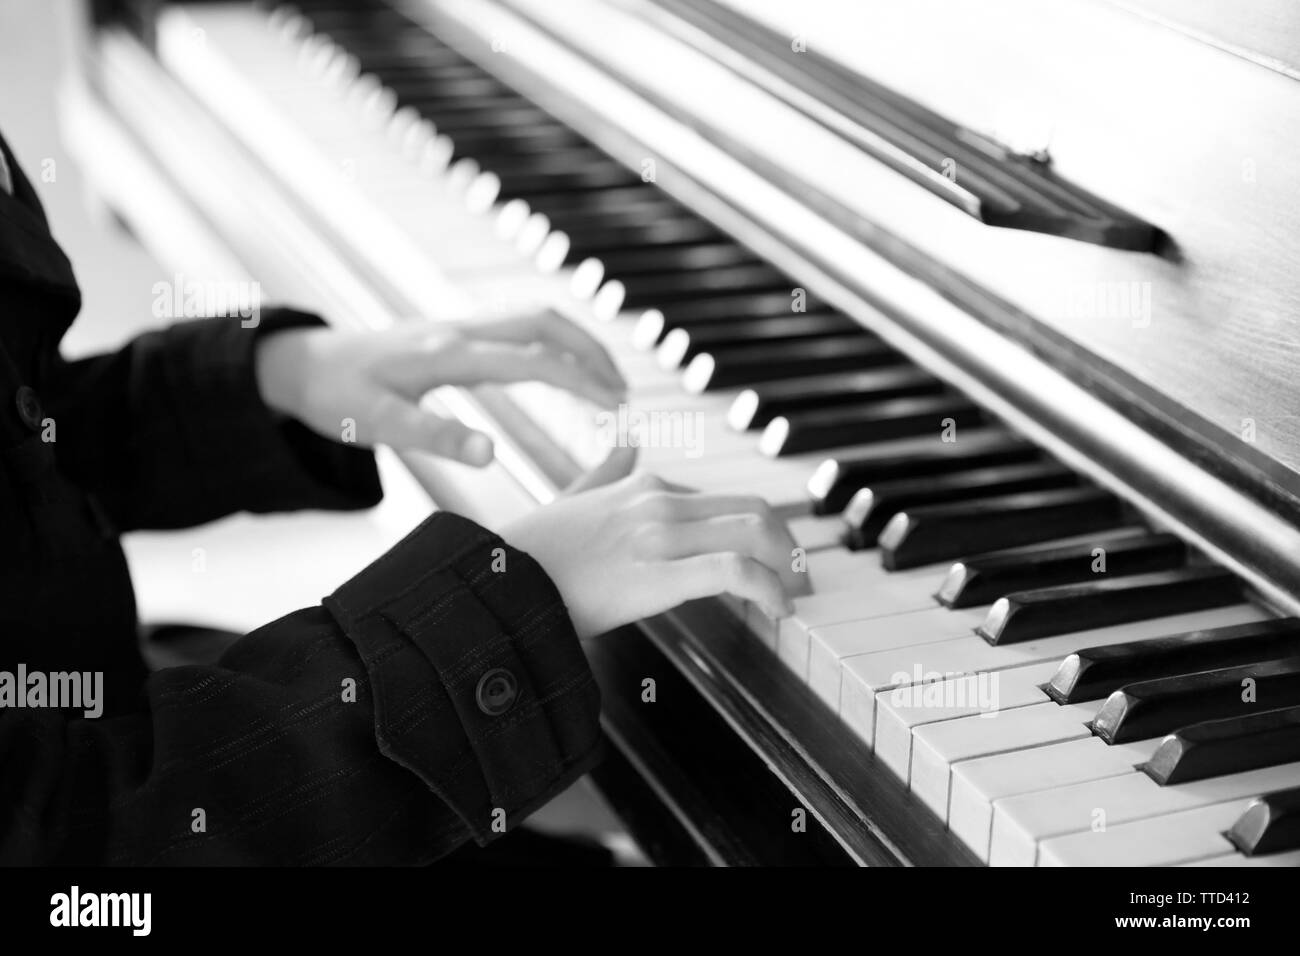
pixel 996 303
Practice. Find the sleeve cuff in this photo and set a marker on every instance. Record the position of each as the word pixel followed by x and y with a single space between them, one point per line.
pixel 248 455
pixel 480 685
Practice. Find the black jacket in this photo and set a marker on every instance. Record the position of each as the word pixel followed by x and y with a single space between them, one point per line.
pixel 473 701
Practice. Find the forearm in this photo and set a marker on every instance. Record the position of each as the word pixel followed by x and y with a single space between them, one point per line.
pixel 172 431
pixel 377 731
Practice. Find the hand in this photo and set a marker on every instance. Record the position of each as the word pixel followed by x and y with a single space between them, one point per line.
pixel 641 546
pixel 324 376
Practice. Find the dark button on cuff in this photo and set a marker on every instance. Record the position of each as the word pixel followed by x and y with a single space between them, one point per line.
pixel 496 693
pixel 29 407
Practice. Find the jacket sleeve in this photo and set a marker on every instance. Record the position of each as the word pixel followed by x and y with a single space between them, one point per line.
pixel 171 431
pixel 438 696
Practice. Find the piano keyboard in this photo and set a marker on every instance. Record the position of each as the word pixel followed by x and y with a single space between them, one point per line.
pixel 1058 681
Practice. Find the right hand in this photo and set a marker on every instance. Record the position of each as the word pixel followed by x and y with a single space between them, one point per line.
pixel 641 546
pixel 375 379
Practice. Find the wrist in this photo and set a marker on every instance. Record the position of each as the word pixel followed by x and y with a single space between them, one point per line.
pixel 278 364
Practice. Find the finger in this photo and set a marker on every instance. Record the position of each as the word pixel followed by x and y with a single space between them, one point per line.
pixel 502 362
pixel 618 464
pixel 686 505
pixel 757 536
pixel 565 336
pixel 404 426
pixel 706 575
pixel 647 482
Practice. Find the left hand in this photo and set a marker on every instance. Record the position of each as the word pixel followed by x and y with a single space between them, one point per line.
pixel 640 546
pixel 324 376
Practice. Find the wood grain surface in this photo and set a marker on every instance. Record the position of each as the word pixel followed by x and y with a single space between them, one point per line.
pixel 1198 140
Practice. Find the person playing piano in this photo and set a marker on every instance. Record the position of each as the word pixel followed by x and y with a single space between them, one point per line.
pixel 438 696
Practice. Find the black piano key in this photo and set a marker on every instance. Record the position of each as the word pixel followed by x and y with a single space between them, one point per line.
pixel 862 424
pixel 523 184
pixel 384 25
pixel 1026 615
pixel 395 62
pixel 628 213
pixel 681 345
pixel 747 364
pixel 1270 824
pixel 560 170
pixel 728 308
pixel 380 45
pixel 556 172
pixel 441 80
pixel 1095 672
pixel 664 288
pixel 590 210
pixel 1213 748
pixel 837 480
pixel 413 82
pixel 755 407
pixel 487 145
pixel 873 506
pixel 654 324
pixel 554 162
pixel 934 533
pixel 712 255
pixel 984 578
pixel 1157 707
pixel 481 86
pixel 601 239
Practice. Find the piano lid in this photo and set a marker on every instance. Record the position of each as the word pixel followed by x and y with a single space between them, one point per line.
pixel 1186 119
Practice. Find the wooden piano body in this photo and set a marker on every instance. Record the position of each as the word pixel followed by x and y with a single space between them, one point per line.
pixel 1165 375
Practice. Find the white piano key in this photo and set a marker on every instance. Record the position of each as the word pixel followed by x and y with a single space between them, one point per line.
pixel 607 303
pixel 816 532
pixel 1162 841
pixel 982 697
pixel 531 234
pixel 834 569
pixel 829 645
pixel 883 597
pixel 511 218
pixel 875 594
pixel 937 747
pixel 976 784
pixel 865 675
pixel 1021 823
pixel 587 277
pixel 670 436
